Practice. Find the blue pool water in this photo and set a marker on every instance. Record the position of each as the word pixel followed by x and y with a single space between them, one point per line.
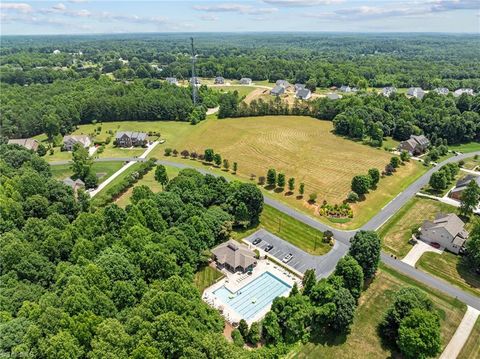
pixel 262 290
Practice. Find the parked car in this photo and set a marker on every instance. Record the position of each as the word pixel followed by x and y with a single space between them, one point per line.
pixel 268 248
pixel 287 258
pixel 435 245
pixel 256 241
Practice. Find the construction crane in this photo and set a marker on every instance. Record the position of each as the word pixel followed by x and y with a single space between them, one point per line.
pixel 194 77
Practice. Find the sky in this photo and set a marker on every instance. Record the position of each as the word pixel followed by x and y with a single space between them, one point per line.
pixel 122 16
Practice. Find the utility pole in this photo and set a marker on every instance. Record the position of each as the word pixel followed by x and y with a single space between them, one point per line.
pixel 194 77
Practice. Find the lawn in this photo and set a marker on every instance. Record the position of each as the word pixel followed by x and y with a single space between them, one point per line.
pixel 374 302
pixel 242 90
pixel 291 230
pixel 106 168
pixel 450 268
pixel 471 163
pixel 303 148
pixel 205 277
pixel 429 190
pixel 396 232
pixel 466 147
pixel 471 349
pixel 149 181
pixel 389 142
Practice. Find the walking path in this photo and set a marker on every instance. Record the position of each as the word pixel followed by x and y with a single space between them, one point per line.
pixel 416 252
pixel 447 200
pixel 477 173
pixel 461 334
pixel 121 170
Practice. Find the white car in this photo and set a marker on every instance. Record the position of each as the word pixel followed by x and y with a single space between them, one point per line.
pixel 287 258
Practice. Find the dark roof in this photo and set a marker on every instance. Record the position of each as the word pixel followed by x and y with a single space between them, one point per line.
pixel 303 93
pixel 420 139
pixel 234 254
pixel 277 90
pixel 450 222
pixel 133 135
pixel 282 83
pixel 463 182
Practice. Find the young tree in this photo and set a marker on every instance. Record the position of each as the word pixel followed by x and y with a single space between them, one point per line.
pixel 353 197
pixel 404 156
pixel 254 333
pixel 291 184
pixel 235 167
pixel 175 152
pixel 301 189
pixel 226 164
pixel 217 159
pixel 161 175
pixel 261 180
pixel 352 274
pixel 438 181
pixel 309 280
pixel 374 175
pixel 168 151
pixel 389 169
pixel 419 334
pixel 395 162
pixel 281 180
pixel 41 150
pixel 360 184
pixel 193 155
pixel 271 177
pixel 470 198
pixel 243 327
pixel 365 248
pixel 208 156
pixel 185 153
pixel 238 338
pixel 312 197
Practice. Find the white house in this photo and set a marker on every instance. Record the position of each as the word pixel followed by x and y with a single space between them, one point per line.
pixel 447 230
pixel 69 141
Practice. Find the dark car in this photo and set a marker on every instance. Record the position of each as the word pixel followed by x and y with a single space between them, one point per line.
pixel 268 248
pixel 256 241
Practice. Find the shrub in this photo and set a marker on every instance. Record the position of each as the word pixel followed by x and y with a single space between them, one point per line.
pixel 352 197
pixel 175 152
pixel 261 180
pixel 237 338
pixel 312 197
pixel 168 151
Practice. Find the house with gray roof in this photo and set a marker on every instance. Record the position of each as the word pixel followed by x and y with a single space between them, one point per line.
pixel 346 89
pixel 459 92
pixel 172 80
pixel 442 90
pixel 219 80
pixel 74 184
pixel 447 230
pixel 416 92
pixel 388 91
pixel 245 81
pixel 283 83
pixel 28 143
pixel 277 90
pixel 303 94
pixel 299 86
pixel 462 185
pixel 415 145
pixel 234 257
pixel 131 139
pixel 69 141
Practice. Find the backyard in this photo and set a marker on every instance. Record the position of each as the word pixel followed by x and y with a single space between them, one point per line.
pixel 374 302
pixel 205 277
pixel 102 169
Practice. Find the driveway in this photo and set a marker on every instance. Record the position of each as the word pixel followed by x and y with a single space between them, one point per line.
pixel 416 252
pixel 461 334
pixel 301 260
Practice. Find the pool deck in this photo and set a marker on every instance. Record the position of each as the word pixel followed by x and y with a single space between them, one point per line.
pixel 235 281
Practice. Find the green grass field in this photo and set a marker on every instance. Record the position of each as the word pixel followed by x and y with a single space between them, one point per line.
pixel 471 349
pixel 450 268
pixel 466 147
pixel 107 168
pixel 363 337
pixel 396 232
pixel 205 277
pixel 291 230
pixel 242 90
pixel 471 163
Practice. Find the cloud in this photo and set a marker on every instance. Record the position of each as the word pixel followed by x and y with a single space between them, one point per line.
pixel 19 7
pixel 77 1
pixel 235 8
pixel 208 17
pixel 301 3
pixel 59 7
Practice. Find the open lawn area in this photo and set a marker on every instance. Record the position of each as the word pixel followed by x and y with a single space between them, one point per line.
pixel 466 147
pixel 300 147
pixel 440 193
pixel 291 230
pixel 205 277
pixel 471 349
pixel 242 90
pixel 449 267
pixel 149 181
pixel 374 302
pixel 397 231
pixel 471 163
pixel 105 169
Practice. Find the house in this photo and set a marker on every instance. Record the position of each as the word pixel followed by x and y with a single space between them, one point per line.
pixel 195 80
pixel 333 96
pixel 172 80
pixel 345 89
pixel 415 144
pixel 299 86
pixel 387 91
pixel 219 80
pixel 28 143
pixel 462 184
pixel 234 257
pixel 303 94
pixel 442 90
pixel 245 81
pixel 461 91
pixel 131 139
pixel 283 83
pixel 69 141
pixel 416 92
pixel 447 230
pixel 75 185
pixel 277 90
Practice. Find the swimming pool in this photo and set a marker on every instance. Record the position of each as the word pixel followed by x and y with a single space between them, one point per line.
pixel 253 297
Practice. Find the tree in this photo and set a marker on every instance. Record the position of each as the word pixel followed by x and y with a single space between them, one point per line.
pixel 254 333
pixel 309 280
pixel 226 164
pixel 209 155
pixel 168 151
pixel 365 248
pixel 175 152
pixel 470 198
pixel 271 177
pixel 237 338
pixel 61 345
pixel 352 274
pixel 243 328
pixel 281 180
pixel 389 169
pixel 185 153
pixel 217 159
pixel 312 197
pixel 438 181
pixel 311 84
pixel 374 175
pixel 404 156
pixel 91 179
pixel 81 166
pixel 235 167
pixel 41 150
pixel 161 175
pixel 360 184
pixel 419 334
pixel 395 162
pixel 301 189
pixel 352 197
pixel 345 305
pixel 52 126
pixel 271 331
pixel 473 248
pixel 291 184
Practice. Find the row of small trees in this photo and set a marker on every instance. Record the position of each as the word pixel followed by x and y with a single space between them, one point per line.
pixel 279 180
pixel 208 156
